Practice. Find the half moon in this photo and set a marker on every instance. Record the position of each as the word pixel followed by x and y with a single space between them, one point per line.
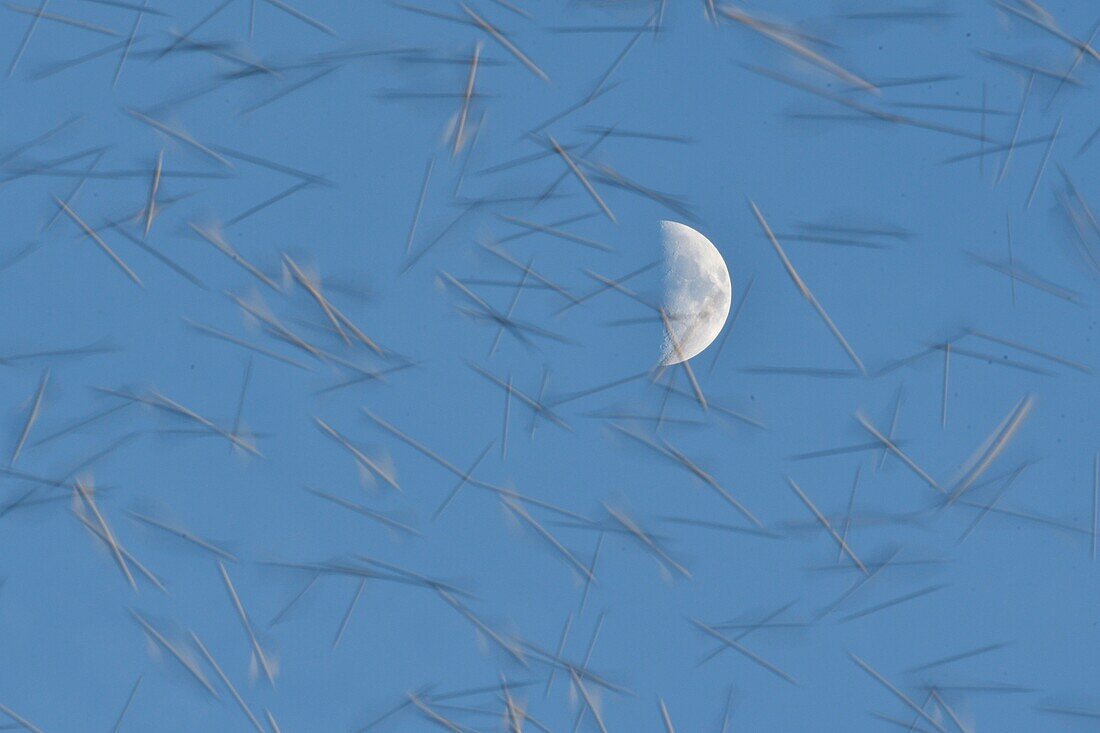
pixel 697 292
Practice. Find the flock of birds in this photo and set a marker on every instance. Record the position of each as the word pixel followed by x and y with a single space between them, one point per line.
pixel 397 542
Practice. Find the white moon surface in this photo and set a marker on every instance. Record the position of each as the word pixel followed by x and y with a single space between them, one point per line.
pixel 697 292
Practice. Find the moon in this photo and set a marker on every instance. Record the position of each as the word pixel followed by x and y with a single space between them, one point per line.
pixel 696 293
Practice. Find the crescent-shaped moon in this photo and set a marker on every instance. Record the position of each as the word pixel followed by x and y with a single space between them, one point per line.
pixel 697 292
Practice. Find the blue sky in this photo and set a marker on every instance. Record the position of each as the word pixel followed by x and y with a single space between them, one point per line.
pixel 282 138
